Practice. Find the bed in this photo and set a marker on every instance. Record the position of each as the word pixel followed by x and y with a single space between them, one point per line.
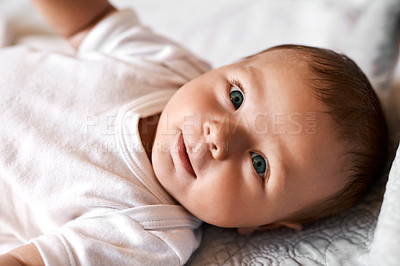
pixel 226 30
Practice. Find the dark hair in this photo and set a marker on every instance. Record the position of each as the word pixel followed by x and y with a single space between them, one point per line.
pixel 360 124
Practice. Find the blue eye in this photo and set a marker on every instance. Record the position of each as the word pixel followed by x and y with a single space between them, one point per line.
pixel 259 164
pixel 236 96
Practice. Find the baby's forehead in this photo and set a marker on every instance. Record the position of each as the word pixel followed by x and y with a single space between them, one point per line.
pixel 284 59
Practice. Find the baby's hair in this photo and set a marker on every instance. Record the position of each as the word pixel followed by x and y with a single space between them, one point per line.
pixel 360 124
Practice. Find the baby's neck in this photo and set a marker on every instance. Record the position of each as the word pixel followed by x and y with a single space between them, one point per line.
pixel 147 132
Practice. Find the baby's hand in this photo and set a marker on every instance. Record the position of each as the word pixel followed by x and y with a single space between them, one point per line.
pixel 73 19
pixel 8 260
pixel 25 255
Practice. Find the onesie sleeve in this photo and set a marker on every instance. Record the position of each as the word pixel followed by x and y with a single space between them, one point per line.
pixel 122 37
pixel 117 238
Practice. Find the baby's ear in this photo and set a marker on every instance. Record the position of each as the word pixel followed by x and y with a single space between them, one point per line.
pixel 248 230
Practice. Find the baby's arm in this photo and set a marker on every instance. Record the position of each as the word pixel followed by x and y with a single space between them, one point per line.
pixel 25 255
pixel 73 19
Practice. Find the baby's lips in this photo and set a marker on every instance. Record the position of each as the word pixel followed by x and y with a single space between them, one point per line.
pixel 197 152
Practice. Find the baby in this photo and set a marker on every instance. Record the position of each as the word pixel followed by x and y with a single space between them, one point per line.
pixel 103 158
pixel 284 137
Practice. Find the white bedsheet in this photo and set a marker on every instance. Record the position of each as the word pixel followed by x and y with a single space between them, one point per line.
pixel 225 30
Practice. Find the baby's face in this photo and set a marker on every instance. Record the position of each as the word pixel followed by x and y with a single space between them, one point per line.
pixel 247 144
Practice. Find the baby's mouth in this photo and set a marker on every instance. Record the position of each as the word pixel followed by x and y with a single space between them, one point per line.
pixel 184 156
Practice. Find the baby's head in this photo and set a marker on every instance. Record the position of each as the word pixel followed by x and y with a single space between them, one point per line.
pixel 286 136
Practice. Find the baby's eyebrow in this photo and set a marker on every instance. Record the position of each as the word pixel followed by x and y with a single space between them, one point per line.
pixel 255 75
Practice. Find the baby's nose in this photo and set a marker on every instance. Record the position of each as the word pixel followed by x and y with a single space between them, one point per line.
pixel 217 139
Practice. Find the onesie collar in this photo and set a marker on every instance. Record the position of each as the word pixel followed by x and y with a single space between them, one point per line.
pixel 128 138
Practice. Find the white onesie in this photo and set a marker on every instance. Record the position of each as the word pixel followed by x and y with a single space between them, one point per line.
pixel 74 177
